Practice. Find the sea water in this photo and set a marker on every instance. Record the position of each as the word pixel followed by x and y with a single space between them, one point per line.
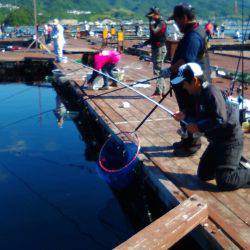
pixel 51 196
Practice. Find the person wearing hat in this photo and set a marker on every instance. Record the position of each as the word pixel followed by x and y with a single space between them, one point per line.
pixel 157 40
pixel 191 48
pixel 218 121
pixel 58 39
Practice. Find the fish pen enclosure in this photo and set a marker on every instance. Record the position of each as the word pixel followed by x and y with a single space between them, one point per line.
pixel 25 67
pixel 26 71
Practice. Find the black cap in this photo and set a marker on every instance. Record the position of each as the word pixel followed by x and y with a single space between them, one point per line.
pixel 181 10
pixel 153 11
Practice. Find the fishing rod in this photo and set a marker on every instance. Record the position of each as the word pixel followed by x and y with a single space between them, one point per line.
pixel 129 87
pixel 147 80
pixel 155 107
pixel 157 104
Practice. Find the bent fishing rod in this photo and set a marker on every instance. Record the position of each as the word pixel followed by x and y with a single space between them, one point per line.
pixel 198 134
pixel 129 87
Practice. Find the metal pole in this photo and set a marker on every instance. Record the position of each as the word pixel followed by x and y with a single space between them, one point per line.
pixel 242 54
pixel 35 22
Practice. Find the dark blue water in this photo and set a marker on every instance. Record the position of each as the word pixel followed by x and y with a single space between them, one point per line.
pixel 51 196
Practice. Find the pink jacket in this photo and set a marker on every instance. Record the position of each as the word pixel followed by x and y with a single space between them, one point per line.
pixel 106 56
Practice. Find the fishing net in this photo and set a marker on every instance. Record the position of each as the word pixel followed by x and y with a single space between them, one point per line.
pixel 118 159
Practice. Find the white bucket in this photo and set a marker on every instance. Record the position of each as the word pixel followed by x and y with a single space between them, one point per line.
pixel 118 74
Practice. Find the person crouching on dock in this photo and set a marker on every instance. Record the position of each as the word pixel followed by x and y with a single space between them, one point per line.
pixel 104 61
pixel 216 118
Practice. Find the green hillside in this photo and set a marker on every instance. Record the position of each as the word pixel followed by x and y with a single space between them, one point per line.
pixel 121 8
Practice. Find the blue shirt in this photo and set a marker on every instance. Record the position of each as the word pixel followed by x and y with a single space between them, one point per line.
pixel 189 48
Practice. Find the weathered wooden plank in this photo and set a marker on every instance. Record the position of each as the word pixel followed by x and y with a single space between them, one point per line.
pixel 171 227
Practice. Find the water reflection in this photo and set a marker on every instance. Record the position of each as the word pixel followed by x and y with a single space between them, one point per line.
pixel 59 111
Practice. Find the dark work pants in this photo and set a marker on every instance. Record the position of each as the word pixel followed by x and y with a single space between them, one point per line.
pixel 186 103
pixel 106 69
pixel 222 162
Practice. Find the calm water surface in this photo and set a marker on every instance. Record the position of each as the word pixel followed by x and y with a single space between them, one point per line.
pixel 51 196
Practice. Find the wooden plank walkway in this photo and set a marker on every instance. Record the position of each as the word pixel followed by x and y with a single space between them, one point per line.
pixel 229 212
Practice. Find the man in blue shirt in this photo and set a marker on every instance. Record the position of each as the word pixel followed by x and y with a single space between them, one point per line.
pixel 191 48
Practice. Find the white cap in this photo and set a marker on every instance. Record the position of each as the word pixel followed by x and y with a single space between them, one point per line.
pixel 187 72
pixel 55 21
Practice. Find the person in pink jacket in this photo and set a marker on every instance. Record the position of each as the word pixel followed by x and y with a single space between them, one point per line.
pixel 104 61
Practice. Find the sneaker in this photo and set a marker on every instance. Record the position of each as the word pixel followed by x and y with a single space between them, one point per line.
pixel 113 84
pixel 155 95
pixel 104 88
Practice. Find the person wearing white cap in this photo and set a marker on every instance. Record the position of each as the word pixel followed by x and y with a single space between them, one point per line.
pixel 218 121
pixel 191 48
pixel 58 38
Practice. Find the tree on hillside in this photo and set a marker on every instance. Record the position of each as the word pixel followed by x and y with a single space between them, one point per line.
pixel 21 16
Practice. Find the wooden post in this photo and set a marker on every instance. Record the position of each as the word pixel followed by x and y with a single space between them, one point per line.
pixel 170 228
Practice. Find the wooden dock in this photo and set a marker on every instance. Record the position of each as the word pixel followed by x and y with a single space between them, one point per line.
pixel 173 178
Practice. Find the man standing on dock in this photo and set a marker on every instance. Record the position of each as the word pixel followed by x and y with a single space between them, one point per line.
pixel 58 38
pixel 191 48
pixel 157 40
pixel 216 118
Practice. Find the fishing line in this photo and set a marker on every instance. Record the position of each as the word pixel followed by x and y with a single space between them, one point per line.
pixel 15 94
pixel 30 117
pixel 20 92
pixel 59 210
pixel 26 118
